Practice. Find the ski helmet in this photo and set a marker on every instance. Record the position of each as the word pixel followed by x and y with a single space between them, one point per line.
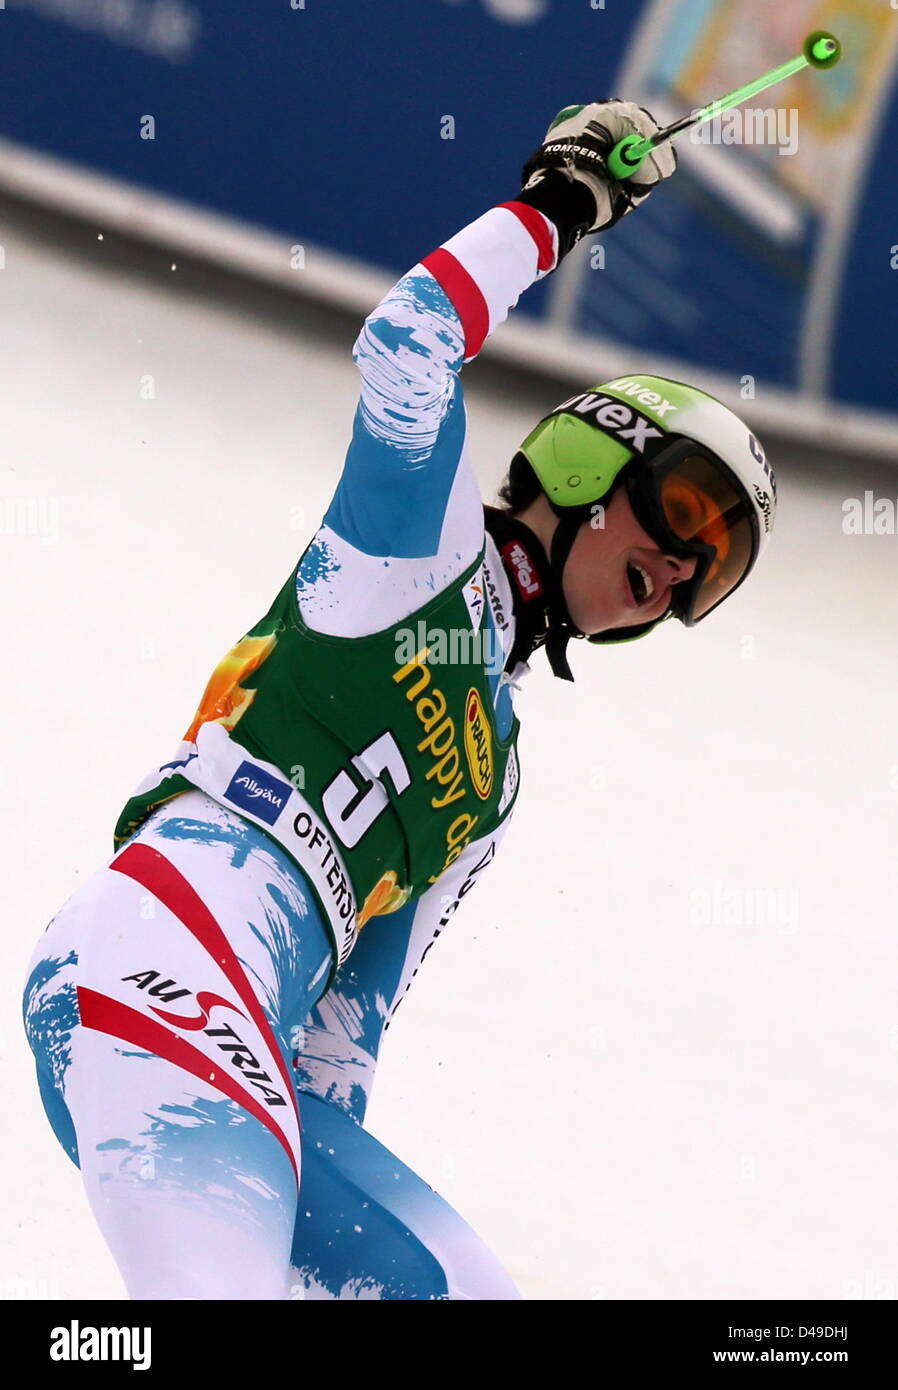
pixel 697 479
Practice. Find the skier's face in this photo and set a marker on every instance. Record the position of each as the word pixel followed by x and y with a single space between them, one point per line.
pixel 616 575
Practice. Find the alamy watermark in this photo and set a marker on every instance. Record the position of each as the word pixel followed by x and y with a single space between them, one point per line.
pixel 77 1342
pixel 748 125
pixel 454 646
pixel 168 29
pixel 718 904
pixel 30 516
pixel 870 516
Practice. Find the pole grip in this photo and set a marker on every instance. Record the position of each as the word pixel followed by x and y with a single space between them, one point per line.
pixel 628 156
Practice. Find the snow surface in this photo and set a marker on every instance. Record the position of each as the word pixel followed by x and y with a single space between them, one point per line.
pixel 627 1095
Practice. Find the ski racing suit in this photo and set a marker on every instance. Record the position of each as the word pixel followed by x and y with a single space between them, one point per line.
pixel 206 1010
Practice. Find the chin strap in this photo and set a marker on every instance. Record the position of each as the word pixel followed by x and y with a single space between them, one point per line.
pixel 541 615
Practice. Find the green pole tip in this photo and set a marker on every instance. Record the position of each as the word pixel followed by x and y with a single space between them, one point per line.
pixel 822 49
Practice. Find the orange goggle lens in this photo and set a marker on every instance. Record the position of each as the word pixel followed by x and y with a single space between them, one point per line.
pixel 701 504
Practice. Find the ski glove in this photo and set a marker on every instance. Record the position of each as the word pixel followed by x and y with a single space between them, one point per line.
pixel 574 152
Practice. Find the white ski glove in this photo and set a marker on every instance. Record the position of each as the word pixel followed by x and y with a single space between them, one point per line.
pixel 577 144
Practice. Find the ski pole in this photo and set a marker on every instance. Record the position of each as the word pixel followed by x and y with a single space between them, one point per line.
pixel 819 50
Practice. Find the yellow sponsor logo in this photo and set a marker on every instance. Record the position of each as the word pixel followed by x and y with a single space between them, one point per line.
pixel 478 745
pixel 440 744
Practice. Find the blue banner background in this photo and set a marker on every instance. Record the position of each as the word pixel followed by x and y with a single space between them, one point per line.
pixel 324 123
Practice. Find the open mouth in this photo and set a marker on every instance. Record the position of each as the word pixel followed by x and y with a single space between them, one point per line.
pixel 642 586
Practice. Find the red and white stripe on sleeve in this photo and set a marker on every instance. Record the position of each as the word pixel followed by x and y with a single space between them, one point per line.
pixel 485 268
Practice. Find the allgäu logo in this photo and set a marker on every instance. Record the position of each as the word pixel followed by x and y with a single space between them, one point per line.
pixel 255 790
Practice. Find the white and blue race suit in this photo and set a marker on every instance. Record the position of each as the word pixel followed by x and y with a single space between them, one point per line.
pixel 220 1129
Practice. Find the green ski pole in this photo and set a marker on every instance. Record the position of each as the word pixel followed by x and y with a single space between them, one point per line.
pixel 819 50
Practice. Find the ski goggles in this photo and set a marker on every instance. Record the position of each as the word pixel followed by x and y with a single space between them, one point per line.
pixel 693 506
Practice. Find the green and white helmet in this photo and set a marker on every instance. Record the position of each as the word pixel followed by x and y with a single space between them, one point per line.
pixel 697 478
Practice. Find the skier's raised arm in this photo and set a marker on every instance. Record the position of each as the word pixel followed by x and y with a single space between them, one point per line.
pixel 409 427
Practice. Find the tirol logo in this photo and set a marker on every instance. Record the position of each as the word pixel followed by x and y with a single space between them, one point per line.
pixel 524 569
pixel 257 791
pixel 478 745
pixel 624 422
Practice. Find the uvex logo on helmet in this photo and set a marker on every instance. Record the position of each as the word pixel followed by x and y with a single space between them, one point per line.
pixel 627 424
pixel 631 386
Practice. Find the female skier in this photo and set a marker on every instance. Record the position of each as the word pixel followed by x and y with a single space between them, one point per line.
pixel 205 1042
